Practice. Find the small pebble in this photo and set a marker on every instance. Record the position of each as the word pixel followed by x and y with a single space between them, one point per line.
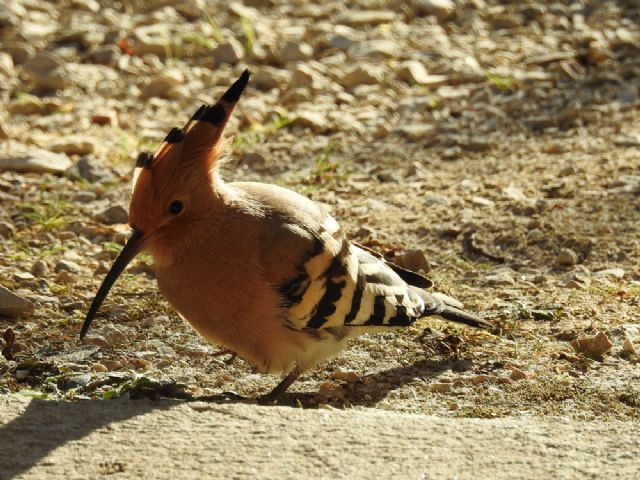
pixel 517 374
pixel 440 387
pixel 594 346
pixel 98 367
pixel 97 340
pixel 40 268
pixel 414 260
pixel 628 346
pixel 346 376
pixel 566 258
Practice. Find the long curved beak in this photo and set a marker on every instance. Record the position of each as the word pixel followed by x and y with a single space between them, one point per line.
pixel 131 249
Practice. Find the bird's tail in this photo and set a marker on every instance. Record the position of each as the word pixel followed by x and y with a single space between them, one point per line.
pixel 451 309
pixel 457 315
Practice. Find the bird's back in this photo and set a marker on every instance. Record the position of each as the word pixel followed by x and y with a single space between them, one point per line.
pixel 325 281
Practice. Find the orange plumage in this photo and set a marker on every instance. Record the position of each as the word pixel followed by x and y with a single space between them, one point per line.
pixel 257 268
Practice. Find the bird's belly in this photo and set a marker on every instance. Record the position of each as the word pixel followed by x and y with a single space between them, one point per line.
pixel 245 321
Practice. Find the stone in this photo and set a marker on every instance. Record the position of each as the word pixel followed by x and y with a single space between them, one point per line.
pixel 13 305
pixel 295 52
pixel 343 38
pixel 65 278
pixel 594 346
pixel 316 121
pixel 304 76
pixel 105 117
pixel 23 277
pixel 268 78
pixel 296 95
pixel 73 145
pixel 5 131
pixel 253 160
pixel 35 160
pixel 362 75
pixel 97 340
pixel 566 258
pixel 441 9
pixel 98 368
pixel 414 260
pixel 500 279
pixel 40 268
pixel 555 148
pixel 155 39
pixel 114 335
pixel 366 17
pixel 628 346
pixel 412 72
pixel 474 143
pixel 578 280
pixel 7 230
pixel 6 65
pixel 112 215
pixel 20 52
pixel 440 387
pixel 8 17
pixel 32 105
pixel 610 273
pixel 451 153
pixel 67 266
pixel 47 71
pixel 482 202
pixel 598 51
pixel 416 132
pixel 374 50
pixel 90 169
pixel 231 52
pixel 108 55
pixel 347 376
pixel 163 85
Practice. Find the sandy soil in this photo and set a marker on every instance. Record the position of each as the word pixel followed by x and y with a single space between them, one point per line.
pixel 169 439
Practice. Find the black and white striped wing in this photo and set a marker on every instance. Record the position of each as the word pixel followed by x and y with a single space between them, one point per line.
pixel 340 284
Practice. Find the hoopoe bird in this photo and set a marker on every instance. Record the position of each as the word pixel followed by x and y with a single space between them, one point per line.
pixel 258 269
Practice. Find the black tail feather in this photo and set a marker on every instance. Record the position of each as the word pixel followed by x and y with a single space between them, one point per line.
pixel 456 315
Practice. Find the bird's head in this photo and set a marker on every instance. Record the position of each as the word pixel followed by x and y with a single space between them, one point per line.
pixel 174 190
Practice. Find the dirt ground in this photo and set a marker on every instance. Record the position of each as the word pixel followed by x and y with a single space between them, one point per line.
pixel 493 145
pixel 164 439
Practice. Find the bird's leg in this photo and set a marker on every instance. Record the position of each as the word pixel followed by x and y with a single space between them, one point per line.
pixel 226 351
pixel 273 395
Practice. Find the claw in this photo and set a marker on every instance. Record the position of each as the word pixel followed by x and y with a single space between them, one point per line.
pixel 226 351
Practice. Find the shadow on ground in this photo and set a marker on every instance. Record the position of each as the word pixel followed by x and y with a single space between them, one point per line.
pixel 47 425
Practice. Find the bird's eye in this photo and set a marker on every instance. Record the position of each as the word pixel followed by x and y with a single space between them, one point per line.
pixel 176 207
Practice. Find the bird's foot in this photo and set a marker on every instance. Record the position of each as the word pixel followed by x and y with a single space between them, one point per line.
pixel 273 396
pixel 221 353
pixel 231 396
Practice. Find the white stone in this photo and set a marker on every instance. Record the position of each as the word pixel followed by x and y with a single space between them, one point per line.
pixel 363 75
pixel 73 145
pixel 14 306
pixel 412 71
pixel 441 9
pixel 366 17
pixel 47 71
pixel 35 160
pixel 295 52
pixel 230 51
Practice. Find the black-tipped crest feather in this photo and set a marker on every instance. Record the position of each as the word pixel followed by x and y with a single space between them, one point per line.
pixel 174 136
pixel 217 114
pixel 144 160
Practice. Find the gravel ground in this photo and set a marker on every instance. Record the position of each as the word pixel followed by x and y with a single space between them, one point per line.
pixel 493 145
